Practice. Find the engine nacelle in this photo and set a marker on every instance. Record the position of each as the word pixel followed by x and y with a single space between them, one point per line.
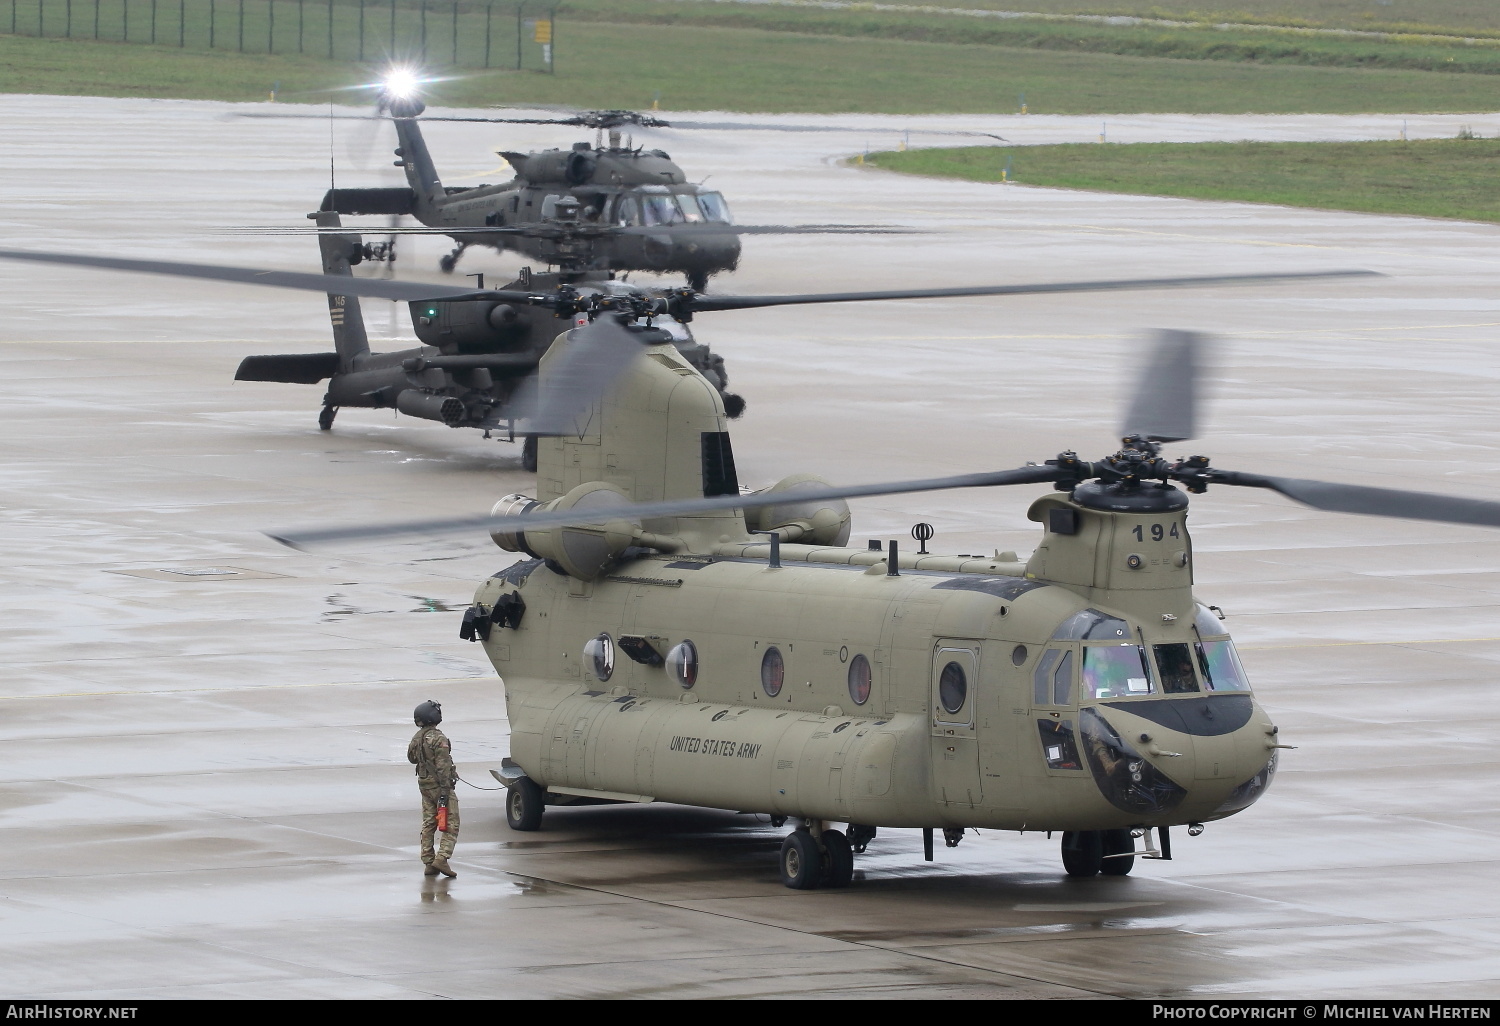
pixel 817 522
pixel 584 551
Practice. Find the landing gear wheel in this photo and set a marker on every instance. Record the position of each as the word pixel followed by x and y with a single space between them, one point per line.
pixel 801 861
pixel 838 862
pixel 1117 842
pixel 528 454
pixel 325 418
pixel 1082 852
pixel 524 803
pixel 448 263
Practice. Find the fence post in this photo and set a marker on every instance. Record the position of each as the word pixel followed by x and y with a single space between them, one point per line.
pixel 455 33
pixel 13 15
pixel 153 22
pixel 212 21
pixel 520 31
pixel 271 28
pixel 330 29
pixel 124 20
pixel 181 24
pixel 361 30
pixel 301 10
pixel 41 29
pixel 489 14
pixel 68 32
pixel 242 25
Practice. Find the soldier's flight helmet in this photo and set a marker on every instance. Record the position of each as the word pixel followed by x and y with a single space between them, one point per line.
pixel 428 714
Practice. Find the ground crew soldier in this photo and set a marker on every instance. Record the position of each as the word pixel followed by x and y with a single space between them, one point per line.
pixel 437 778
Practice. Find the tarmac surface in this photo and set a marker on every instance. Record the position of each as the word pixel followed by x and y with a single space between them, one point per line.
pixel 205 791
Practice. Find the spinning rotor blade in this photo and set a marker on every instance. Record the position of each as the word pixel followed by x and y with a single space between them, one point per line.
pixel 668 508
pixel 700 304
pixel 1166 398
pixel 1376 502
pixel 591 358
pixel 542 228
pixel 366 288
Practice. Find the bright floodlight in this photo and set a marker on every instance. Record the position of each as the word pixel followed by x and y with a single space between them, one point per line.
pixel 401 83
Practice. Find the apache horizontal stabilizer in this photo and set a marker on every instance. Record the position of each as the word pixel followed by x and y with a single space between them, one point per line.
pixel 370 201
pixel 297 369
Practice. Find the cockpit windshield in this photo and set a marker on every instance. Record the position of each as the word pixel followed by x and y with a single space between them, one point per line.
pixel 1174 665
pixel 660 208
pixel 1116 671
pixel 714 208
pixel 1217 660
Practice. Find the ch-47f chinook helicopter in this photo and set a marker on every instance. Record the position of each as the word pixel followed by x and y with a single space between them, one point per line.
pixel 594 208
pixel 653 648
pixel 670 639
pixel 476 366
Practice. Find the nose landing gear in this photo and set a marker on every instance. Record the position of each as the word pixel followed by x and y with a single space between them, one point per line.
pixel 1087 853
pixel 449 262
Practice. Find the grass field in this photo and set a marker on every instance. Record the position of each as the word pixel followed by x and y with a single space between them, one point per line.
pixel 1189 43
pixel 693 67
pixel 1432 178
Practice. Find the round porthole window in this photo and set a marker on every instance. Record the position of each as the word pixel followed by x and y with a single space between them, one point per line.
pixel 599 657
pixel 1018 655
pixel 953 687
pixel 772 671
pixel 682 663
pixel 859 679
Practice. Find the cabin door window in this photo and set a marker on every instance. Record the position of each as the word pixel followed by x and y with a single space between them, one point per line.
pixel 954 693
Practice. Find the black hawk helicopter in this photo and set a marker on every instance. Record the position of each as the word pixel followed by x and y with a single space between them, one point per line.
pixel 476 367
pixel 601 207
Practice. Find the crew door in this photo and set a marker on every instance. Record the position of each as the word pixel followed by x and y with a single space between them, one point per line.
pixel 955 749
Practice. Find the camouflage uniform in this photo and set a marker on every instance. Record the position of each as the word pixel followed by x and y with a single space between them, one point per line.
pixel 432 755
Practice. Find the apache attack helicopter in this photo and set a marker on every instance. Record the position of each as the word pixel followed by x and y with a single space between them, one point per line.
pixel 476 367
pixel 651 647
pixel 595 208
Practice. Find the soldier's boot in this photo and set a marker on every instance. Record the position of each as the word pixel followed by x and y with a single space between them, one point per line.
pixel 429 869
pixel 441 866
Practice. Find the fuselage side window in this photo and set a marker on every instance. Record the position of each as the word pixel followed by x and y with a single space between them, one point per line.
pixel 1115 671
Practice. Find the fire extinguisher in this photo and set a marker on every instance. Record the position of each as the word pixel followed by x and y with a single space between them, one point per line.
pixel 442 814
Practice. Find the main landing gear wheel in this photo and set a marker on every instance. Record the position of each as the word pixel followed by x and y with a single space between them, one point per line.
pixel 838 862
pixel 801 861
pixel 325 419
pixel 1118 842
pixel 523 805
pixel 528 454
pixel 1082 852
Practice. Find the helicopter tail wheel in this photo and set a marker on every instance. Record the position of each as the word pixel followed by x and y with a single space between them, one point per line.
pixel 523 805
pixel 801 861
pixel 528 454
pixel 838 859
pixel 1083 852
pixel 325 419
pixel 1118 843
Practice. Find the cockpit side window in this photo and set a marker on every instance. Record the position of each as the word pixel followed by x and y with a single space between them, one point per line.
pixel 627 211
pixel 1174 666
pixel 1221 667
pixel 714 208
pixel 1041 679
pixel 1115 671
pixel 1062 681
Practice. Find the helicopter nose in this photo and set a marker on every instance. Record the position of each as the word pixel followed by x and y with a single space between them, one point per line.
pixel 1164 758
pixel 708 253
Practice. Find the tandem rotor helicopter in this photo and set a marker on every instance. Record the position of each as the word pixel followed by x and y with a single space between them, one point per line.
pixel 671 638
pixel 593 209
